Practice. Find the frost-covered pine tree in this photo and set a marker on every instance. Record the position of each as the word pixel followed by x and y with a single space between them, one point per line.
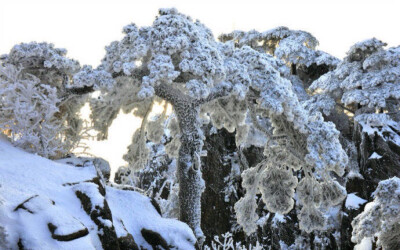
pixel 177 60
pixel 39 102
pixel 380 217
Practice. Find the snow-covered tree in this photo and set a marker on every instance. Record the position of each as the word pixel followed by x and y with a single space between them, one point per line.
pixel 366 81
pixel 39 102
pixel 380 217
pixel 366 85
pixel 177 60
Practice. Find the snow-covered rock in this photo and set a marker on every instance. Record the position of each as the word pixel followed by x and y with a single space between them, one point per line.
pixel 51 205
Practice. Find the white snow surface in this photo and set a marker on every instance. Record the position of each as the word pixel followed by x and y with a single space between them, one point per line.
pixel 353 201
pixel 26 176
pixel 375 155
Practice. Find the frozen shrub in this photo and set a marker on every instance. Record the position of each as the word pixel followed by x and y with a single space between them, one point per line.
pixel 39 102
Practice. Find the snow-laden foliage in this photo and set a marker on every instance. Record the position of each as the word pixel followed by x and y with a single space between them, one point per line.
pixel 367 80
pixel 39 102
pixel 235 87
pixel 381 216
pixel 173 49
pixel 291 46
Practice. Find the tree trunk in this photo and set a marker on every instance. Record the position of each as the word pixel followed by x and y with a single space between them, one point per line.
pixel 191 183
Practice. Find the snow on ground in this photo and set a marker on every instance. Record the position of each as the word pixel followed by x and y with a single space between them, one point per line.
pixel 36 208
pixel 26 176
pixel 353 201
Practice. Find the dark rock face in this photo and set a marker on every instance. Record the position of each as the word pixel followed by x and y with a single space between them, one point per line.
pixel 273 232
pixel 375 170
pixel 216 217
pixel 310 73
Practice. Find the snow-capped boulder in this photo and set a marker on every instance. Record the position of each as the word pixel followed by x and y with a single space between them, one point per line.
pixel 52 205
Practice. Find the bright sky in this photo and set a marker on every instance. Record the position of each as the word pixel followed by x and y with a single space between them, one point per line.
pixel 85 27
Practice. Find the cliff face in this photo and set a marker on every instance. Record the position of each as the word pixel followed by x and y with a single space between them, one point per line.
pixel 378 157
pixel 52 205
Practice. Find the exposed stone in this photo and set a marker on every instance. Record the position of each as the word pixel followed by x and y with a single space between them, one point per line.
pixel 155 205
pixel 218 215
pixel 67 237
pixel 127 243
pixel 154 239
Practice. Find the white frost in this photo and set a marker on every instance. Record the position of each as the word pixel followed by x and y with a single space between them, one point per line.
pixel 375 155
